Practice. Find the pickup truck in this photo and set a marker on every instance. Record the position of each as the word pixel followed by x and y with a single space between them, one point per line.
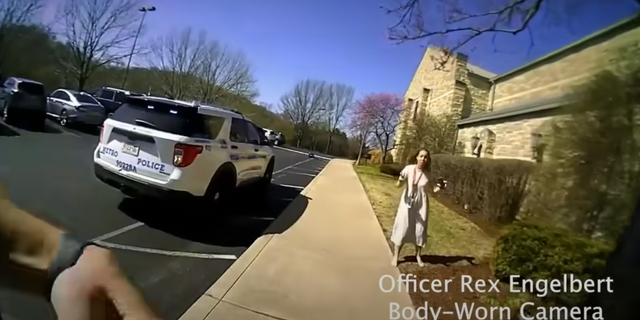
pixel 112 98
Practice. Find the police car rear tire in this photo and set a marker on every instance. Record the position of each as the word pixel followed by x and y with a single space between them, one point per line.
pixel 265 183
pixel 222 187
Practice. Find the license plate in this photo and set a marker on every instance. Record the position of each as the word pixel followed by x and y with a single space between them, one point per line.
pixel 130 149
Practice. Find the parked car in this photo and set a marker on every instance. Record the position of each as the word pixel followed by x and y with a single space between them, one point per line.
pixel 23 100
pixel 270 135
pixel 70 107
pixel 275 138
pixel 112 98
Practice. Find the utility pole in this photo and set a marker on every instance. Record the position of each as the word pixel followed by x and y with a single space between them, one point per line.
pixel 144 11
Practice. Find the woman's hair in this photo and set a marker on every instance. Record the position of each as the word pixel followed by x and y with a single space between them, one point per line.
pixel 427 163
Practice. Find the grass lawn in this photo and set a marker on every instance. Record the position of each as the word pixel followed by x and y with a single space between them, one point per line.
pixel 449 233
pixel 455 247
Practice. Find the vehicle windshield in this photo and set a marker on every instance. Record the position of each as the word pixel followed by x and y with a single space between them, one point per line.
pixel 85 98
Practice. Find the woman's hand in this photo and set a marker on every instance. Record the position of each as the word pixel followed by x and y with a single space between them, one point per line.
pixel 440 185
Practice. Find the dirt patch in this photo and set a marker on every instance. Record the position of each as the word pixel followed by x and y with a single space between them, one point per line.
pixel 455 298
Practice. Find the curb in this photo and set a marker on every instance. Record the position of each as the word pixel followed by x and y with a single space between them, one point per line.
pixel 201 308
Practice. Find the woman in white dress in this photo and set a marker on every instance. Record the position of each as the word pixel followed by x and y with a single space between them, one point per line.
pixel 412 218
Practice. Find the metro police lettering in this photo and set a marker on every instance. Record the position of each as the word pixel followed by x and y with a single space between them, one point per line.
pixel 126 166
pixel 109 151
pixel 151 165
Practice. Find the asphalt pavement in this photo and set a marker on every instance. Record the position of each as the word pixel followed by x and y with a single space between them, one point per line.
pixel 173 253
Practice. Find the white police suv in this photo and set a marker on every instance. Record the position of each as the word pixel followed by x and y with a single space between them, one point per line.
pixel 159 147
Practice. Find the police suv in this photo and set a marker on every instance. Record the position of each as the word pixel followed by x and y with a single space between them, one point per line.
pixel 159 147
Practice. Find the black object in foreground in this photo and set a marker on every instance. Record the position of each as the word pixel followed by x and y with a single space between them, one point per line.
pixel 311 155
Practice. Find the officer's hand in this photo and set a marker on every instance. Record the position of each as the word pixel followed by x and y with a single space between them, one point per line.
pixel 96 288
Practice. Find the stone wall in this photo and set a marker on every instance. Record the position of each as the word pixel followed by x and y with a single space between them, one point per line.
pixel 559 74
pixel 451 90
pixel 512 139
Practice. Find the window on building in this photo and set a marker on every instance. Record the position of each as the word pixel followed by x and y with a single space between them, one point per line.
pixel 416 107
pixel 409 107
pixel 426 93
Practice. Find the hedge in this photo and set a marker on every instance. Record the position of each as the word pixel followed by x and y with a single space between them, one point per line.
pixel 392 169
pixel 492 189
pixel 535 251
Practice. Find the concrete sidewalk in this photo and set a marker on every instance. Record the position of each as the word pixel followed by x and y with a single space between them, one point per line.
pixel 326 266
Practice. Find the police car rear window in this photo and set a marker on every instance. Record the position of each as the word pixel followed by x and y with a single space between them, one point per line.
pixel 162 116
pixel 31 88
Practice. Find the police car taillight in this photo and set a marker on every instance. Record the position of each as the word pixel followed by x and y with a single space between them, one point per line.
pixel 101 133
pixel 185 154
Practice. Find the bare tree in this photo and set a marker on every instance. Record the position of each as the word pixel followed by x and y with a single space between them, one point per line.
pixel 14 12
pixel 179 57
pixel 97 32
pixel 195 67
pixel 224 71
pixel 423 19
pixel 303 105
pixel 340 98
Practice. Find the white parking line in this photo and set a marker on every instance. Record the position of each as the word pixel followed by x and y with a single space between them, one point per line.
pixel 302 174
pixel 168 253
pixel 312 170
pixel 291 186
pixel 118 232
pixel 291 166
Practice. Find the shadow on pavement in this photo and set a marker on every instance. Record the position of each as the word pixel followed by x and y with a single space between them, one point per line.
pixel 86 129
pixel 47 128
pixel 6 131
pixel 442 260
pixel 236 226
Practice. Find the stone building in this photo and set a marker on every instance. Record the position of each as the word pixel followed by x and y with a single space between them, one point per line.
pixel 504 116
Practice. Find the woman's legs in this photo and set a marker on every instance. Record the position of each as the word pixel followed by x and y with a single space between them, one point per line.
pixel 396 254
pixel 418 255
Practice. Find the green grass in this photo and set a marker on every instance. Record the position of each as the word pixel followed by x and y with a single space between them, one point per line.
pixel 449 234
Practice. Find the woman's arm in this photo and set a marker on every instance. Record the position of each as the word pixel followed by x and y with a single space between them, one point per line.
pixel 402 178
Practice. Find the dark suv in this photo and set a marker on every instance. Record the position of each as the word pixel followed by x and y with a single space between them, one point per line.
pixel 112 98
pixel 23 100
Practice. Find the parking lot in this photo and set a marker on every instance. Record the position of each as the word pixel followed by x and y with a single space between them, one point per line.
pixel 172 253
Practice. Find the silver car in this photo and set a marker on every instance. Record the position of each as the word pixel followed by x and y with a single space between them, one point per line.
pixel 70 107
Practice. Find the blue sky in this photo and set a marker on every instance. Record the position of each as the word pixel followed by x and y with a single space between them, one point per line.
pixel 345 40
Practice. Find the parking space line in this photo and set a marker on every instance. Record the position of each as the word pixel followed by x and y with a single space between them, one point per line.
pixel 313 170
pixel 291 166
pixel 118 232
pixel 302 174
pixel 290 186
pixel 168 253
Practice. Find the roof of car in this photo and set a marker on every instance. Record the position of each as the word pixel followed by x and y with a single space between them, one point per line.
pixel 193 104
pixel 26 80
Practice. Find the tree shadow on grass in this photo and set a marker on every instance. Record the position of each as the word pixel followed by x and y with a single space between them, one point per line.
pixel 238 225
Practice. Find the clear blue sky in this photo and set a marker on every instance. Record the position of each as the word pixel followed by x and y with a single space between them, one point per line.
pixel 345 40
